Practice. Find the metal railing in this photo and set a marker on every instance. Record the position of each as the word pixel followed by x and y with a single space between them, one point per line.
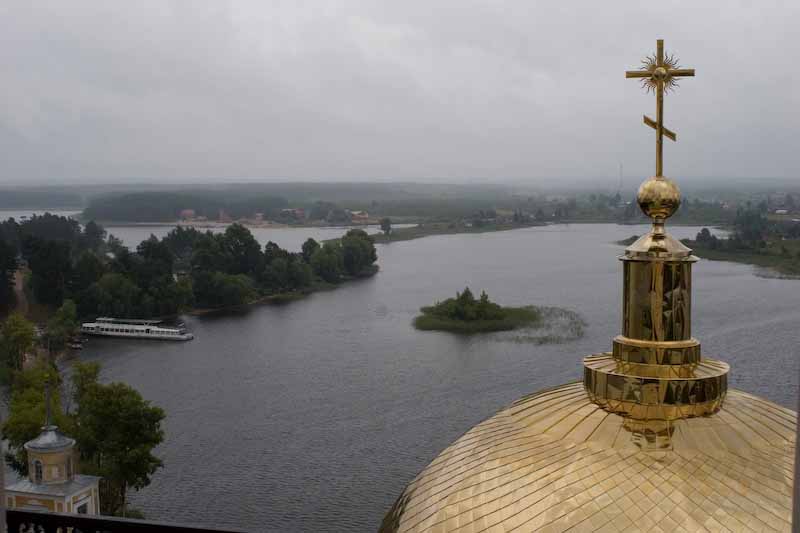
pixel 19 521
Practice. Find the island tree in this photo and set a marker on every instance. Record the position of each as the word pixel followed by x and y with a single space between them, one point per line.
pixel 386 225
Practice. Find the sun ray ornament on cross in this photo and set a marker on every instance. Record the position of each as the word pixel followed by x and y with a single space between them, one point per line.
pixel 659 73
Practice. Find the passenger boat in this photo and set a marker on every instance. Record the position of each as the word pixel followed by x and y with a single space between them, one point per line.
pixel 135 329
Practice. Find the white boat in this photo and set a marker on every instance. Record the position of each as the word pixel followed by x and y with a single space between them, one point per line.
pixel 134 329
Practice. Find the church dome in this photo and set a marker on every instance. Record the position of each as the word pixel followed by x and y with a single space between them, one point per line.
pixel 651 440
pixel 556 460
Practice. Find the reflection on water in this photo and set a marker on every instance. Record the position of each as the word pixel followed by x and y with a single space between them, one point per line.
pixel 312 416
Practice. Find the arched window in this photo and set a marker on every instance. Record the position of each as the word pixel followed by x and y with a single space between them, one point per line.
pixel 37 471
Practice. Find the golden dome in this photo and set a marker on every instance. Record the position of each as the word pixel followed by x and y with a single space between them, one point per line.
pixel 556 461
pixel 659 197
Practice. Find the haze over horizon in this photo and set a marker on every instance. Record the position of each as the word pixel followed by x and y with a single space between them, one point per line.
pixel 468 91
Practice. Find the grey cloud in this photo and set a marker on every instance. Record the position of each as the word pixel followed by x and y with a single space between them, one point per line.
pixel 451 90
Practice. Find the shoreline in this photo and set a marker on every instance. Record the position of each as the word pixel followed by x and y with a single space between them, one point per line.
pixel 281 297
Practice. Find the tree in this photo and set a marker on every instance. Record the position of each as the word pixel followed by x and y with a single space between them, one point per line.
pixel 8 265
pixel 386 225
pixel 116 430
pixel 157 260
pixel 358 252
pixel 27 411
pixel 116 295
pixel 61 326
pixel 327 263
pixel 276 274
pixel 217 289
pixel 309 247
pixel 355 255
pixel 18 338
pixel 115 245
pixel 209 254
pixel 242 249
pixel 181 242
pixel 93 235
pixel 51 266
pixel 272 252
pixel 300 274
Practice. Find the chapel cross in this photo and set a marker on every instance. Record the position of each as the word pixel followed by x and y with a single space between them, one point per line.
pixel 659 73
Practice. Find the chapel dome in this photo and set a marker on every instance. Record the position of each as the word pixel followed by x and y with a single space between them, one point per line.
pixel 50 440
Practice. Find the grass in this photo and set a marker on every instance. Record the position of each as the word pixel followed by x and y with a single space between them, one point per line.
pixel 515 318
pixel 444 228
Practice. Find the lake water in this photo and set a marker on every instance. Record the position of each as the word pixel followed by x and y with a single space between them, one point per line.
pixel 287 238
pixel 312 416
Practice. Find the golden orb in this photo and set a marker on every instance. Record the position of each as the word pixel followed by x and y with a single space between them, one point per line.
pixel 660 74
pixel 659 197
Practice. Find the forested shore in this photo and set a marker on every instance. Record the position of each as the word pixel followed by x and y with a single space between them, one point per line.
pixel 187 269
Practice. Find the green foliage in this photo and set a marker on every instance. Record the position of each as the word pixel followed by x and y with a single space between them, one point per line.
pixel 217 289
pixel 8 265
pixel 243 250
pixel 213 270
pixel 275 276
pixel 308 249
pixel 116 430
pixel 116 295
pixel 18 337
pixel 466 308
pixel 181 241
pixel 27 411
pixel 386 225
pixel 358 252
pixel 750 226
pixel 61 326
pixel 327 262
pixel 466 314
pixel 50 262
pixel 94 235
pixel 88 269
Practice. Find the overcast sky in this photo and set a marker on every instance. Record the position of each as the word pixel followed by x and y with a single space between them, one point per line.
pixel 454 90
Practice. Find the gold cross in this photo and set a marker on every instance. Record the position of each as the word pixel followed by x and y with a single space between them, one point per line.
pixel 659 73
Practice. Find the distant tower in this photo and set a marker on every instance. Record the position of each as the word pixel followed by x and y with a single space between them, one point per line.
pixel 53 483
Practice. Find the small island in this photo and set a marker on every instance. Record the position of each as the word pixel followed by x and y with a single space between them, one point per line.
pixel 466 314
